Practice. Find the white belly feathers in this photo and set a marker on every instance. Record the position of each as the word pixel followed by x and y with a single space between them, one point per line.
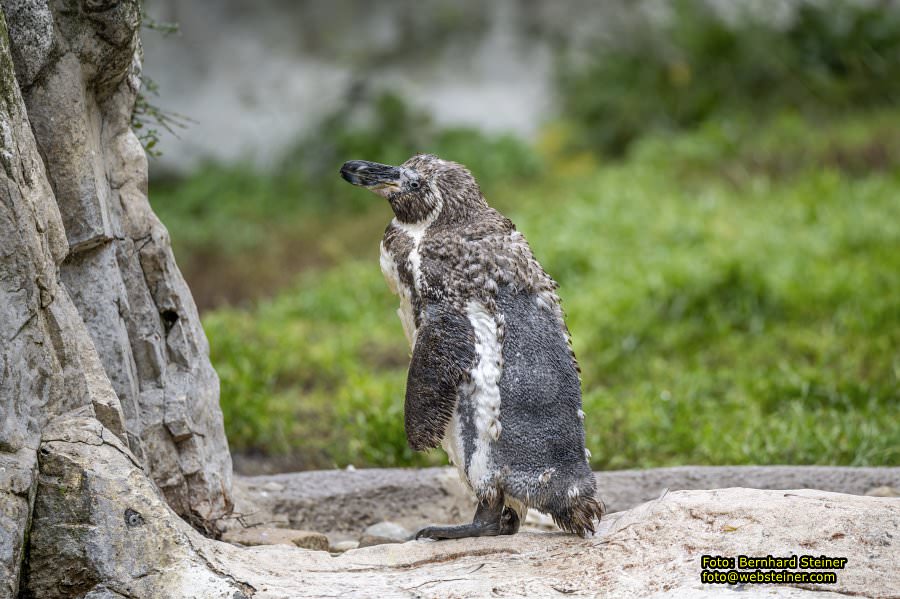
pixel 484 389
pixel 486 393
pixel 405 311
pixel 415 231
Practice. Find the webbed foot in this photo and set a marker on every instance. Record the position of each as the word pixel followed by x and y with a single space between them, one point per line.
pixel 491 519
pixel 460 531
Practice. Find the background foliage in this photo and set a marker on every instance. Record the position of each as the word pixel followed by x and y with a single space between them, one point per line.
pixel 718 201
pixel 829 59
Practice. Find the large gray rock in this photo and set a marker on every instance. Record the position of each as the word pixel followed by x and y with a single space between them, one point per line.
pixel 651 551
pixel 47 362
pixel 95 319
pixel 78 65
pixel 101 526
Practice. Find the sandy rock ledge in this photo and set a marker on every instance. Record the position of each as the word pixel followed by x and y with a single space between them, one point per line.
pixel 651 551
pixel 120 539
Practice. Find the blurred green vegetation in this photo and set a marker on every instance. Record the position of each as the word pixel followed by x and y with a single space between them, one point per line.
pixel 719 318
pixel 732 281
pixel 241 233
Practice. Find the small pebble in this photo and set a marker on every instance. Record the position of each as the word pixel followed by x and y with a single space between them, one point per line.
pixel 384 532
pixel 344 546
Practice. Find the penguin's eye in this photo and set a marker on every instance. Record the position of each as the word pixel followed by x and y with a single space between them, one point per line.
pixel 414 185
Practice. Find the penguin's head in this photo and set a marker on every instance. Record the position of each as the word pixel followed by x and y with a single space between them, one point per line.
pixel 421 188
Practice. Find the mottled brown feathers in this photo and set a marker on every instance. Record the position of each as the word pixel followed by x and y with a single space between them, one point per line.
pixel 469 251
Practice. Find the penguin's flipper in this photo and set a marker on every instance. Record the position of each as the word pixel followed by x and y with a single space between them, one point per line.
pixel 443 356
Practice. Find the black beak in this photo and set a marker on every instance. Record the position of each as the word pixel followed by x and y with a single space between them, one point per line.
pixel 370 174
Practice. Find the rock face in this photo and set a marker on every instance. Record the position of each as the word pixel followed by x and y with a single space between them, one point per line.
pixel 78 66
pixel 95 319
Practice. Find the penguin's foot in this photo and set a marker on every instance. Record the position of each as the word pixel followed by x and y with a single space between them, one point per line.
pixel 491 519
pixel 461 531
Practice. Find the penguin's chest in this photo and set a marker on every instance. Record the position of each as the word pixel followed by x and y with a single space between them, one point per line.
pixel 402 287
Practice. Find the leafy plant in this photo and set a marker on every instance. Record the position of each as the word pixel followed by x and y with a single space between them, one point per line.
pixel 147 117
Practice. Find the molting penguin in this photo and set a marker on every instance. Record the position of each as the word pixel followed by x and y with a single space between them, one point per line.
pixel 492 378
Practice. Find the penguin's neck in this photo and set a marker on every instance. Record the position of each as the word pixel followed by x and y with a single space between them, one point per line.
pixel 416 228
pixel 424 210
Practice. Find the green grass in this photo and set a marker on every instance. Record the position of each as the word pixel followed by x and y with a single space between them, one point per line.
pixel 733 295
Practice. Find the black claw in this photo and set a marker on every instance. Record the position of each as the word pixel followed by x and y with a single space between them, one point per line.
pixel 509 522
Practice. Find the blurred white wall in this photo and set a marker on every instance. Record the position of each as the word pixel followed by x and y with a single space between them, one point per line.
pixel 253 75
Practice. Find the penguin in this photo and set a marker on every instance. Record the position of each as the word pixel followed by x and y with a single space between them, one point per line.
pixel 492 377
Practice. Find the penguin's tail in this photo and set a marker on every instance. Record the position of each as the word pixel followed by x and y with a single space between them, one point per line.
pixel 578 515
